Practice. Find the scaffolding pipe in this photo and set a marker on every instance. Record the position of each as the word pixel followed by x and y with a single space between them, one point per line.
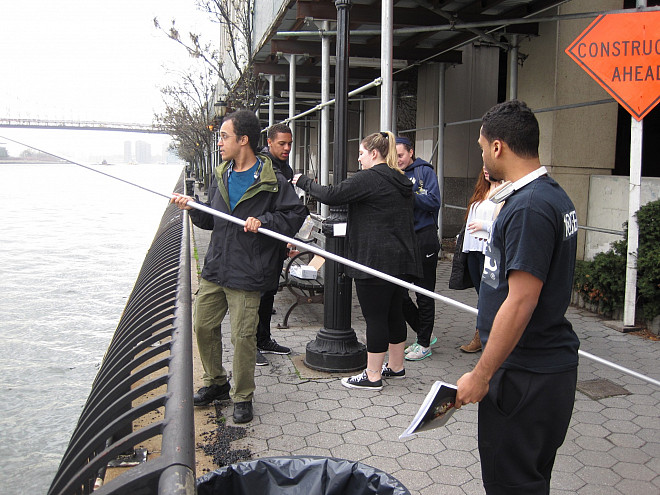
pixel 271 100
pixel 325 115
pixel 305 149
pixel 361 89
pixel 292 107
pixel 441 141
pixel 361 121
pixel 458 26
pixel 540 110
pixel 386 43
pixel 513 68
pixel 395 100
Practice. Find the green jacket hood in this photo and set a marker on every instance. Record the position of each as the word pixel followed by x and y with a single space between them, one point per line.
pixel 267 180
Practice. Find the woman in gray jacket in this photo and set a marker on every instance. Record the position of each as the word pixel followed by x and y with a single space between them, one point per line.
pixel 380 235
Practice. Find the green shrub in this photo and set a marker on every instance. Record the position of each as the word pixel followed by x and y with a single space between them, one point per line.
pixel 648 260
pixel 603 280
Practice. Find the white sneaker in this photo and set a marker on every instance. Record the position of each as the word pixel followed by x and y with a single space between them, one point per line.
pixel 417 353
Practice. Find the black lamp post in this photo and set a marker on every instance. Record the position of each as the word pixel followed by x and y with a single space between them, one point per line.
pixel 336 347
pixel 220 108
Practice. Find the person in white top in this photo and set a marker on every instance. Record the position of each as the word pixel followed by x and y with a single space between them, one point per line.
pixel 479 220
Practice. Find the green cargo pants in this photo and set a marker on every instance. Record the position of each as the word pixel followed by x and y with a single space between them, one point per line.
pixel 211 305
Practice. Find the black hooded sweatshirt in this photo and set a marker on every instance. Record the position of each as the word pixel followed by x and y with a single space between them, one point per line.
pixel 380 232
pixel 280 165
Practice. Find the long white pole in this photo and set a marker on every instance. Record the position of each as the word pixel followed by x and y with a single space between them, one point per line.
pixel 328 255
pixel 317 250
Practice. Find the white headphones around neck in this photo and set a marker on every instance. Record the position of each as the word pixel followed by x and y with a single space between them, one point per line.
pixel 508 188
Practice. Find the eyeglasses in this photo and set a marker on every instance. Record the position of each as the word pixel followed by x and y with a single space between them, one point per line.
pixel 224 136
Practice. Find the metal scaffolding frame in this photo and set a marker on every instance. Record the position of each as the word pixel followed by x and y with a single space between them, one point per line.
pixel 386 94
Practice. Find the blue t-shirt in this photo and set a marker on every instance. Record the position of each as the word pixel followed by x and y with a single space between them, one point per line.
pixel 239 182
pixel 536 232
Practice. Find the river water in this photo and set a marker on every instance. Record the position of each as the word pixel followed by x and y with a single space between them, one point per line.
pixel 72 243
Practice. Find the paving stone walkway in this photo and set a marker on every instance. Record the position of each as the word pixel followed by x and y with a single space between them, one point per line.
pixel 612 446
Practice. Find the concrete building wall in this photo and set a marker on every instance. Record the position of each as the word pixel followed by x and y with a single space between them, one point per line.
pixel 371 124
pixel 427 111
pixel 470 90
pixel 371 117
pixel 608 208
pixel 575 143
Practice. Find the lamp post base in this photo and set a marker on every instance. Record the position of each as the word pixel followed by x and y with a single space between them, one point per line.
pixel 336 351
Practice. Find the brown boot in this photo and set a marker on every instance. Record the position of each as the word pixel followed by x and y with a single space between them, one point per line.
pixel 474 345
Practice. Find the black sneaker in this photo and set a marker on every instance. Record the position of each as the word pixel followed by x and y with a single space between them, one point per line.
pixel 387 372
pixel 362 381
pixel 206 395
pixel 243 412
pixel 261 360
pixel 272 347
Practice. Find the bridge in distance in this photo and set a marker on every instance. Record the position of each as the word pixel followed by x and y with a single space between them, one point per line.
pixel 78 125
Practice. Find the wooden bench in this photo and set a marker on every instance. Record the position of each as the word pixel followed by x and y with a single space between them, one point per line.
pixel 305 291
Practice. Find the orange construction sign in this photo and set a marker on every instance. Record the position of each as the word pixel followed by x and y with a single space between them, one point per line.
pixel 622 53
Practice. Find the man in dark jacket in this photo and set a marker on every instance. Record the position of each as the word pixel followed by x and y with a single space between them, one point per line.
pixel 280 139
pixel 427 205
pixel 239 264
pixel 280 144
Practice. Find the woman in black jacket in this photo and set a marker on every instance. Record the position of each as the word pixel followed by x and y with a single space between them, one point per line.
pixel 380 235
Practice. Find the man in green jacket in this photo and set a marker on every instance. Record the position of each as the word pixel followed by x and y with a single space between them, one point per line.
pixel 239 264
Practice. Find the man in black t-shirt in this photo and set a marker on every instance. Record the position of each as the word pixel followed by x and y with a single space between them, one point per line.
pixel 525 380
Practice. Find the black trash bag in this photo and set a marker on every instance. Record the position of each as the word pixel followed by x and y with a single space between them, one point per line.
pixel 304 475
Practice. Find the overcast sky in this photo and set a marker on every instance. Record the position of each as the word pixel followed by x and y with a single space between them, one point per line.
pixel 90 60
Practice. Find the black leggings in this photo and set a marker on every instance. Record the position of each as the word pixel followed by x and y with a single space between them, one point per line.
pixel 421 317
pixel 475 265
pixel 382 307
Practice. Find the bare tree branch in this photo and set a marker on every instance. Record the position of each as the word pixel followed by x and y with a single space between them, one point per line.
pixel 235 19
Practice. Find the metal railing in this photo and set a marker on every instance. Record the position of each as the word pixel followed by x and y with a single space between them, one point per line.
pixel 142 394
